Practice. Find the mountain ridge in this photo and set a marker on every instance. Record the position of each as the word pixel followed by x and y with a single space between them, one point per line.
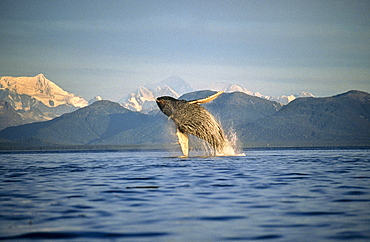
pixel 340 120
pixel 8 116
pixel 42 89
pixel 143 99
pixel 37 98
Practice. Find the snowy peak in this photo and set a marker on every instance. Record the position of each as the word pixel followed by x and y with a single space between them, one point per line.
pixel 287 99
pixel 94 99
pixel 143 100
pixel 174 83
pixel 42 89
pixel 236 88
pixel 33 86
pixel 304 94
pixel 284 99
pixel 165 91
pixel 145 94
pixel 36 99
pixel 45 86
pixel 227 87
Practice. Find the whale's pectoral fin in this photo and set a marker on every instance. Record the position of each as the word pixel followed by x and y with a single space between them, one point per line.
pixel 207 99
pixel 184 142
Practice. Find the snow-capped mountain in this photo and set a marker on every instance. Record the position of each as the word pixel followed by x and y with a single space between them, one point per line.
pixel 227 87
pixel 143 99
pixel 94 99
pixel 42 89
pixel 37 98
pixel 179 85
pixel 8 116
pixel 287 99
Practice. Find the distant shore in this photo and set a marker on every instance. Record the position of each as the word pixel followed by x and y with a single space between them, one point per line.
pixel 16 147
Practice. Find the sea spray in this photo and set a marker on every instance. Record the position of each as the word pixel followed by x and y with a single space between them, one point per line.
pixel 231 145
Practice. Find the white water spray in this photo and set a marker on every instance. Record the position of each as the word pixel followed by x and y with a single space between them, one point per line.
pixel 231 145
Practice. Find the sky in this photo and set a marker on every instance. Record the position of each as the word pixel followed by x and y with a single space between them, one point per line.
pixel 109 48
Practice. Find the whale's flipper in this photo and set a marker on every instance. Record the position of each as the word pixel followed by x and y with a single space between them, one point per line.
pixel 184 142
pixel 207 99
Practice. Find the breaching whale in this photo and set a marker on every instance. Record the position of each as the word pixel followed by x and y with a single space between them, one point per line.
pixel 191 118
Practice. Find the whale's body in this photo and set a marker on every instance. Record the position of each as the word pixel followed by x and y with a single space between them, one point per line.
pixel 191 118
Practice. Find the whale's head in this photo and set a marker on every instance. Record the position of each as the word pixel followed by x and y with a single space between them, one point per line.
pixel 167 104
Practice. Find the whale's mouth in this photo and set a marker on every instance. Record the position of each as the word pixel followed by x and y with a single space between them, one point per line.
pixel 161 104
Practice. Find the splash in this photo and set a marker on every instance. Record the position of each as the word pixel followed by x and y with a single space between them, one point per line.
pixel 231 145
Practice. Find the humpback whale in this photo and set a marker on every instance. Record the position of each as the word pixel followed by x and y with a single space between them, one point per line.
pixel 191 118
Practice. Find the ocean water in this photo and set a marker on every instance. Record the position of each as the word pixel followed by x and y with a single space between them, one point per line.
pixel 274 195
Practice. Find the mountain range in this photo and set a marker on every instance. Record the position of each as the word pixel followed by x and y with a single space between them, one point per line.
pixel 36 99
pixel 341 120
pixel 143 99
pixel 41 89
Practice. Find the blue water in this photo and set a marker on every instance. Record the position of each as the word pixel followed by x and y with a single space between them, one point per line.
pixel 275 195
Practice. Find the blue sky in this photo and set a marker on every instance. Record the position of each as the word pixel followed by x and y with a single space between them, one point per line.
pixel 109 48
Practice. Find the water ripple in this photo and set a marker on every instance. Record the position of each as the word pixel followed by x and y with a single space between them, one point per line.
pixel 261 237
pixel 220 218
pixel 280 195
pixel 314 213
pixel 84 234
